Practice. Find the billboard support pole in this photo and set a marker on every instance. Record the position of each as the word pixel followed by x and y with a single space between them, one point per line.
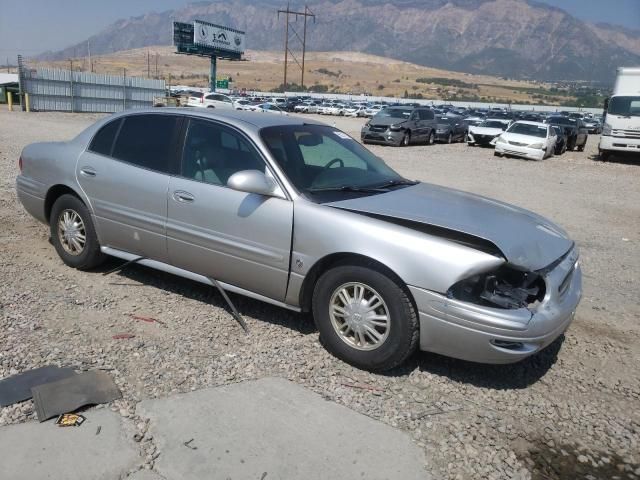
pixel 212 73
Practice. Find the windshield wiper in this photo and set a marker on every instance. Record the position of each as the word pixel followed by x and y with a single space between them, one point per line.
pixel 348 188
pixel 394 183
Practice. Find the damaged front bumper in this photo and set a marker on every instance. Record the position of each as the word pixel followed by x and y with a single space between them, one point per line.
pixel 495 335
pixel 518 151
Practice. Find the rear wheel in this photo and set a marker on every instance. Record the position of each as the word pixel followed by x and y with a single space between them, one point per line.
pixel 364 317
pixel 73 234
pixel 431 139
pixel 450 138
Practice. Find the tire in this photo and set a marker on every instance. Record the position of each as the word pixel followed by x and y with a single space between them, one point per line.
pixel 604 155
pixel 496 154
pixel 450 138
pixel 431 139
pixel 406 140
pixel 71 208
pixel 571 143
pixel 210 106
pixel 398 341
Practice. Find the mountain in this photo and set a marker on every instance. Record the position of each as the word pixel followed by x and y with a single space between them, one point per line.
pixel 510 38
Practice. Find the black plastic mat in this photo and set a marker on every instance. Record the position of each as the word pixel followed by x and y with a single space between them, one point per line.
pixel 65 396
pixel 17 388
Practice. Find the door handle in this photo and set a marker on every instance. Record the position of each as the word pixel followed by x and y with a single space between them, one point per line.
pixel 183 197
pixel 87 172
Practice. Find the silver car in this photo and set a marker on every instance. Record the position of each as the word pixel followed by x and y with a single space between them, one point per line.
pixel 300 215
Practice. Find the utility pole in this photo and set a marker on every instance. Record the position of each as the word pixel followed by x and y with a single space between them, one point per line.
pixel 148 66
pixel 156 64
pixel 8 65
pixel 289 27
pixel 89 52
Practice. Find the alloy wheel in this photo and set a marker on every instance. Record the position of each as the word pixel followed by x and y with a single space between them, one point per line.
pixel 71 232
pixel 359 316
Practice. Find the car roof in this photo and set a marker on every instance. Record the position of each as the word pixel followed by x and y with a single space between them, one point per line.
pixel 252 120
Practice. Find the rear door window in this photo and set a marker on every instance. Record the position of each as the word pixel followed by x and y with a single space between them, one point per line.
pixel 102 142
pixel 147 141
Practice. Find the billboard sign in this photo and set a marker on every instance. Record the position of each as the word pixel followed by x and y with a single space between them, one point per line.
pixel 218 37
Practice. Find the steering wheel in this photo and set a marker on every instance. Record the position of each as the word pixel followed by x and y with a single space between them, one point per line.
pixel 334 161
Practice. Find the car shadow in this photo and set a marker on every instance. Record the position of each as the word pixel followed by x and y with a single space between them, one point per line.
pixel 512 376
pixel 622 158
pixel 133 276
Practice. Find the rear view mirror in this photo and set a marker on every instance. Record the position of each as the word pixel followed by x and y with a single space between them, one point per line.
pixel 310 140
pixel 252 181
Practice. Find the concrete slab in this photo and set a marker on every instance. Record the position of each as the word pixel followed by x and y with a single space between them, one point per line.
pixel 274 429
pixel 33 450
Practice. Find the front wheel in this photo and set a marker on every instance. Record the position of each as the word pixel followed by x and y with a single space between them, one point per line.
pixel 364 317
pixel 406 140
pixel 450 138
pixel 73 234
pixel 432 138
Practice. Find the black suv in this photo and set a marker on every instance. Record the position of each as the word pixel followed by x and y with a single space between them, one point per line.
pixel 574 128
pixel 401 126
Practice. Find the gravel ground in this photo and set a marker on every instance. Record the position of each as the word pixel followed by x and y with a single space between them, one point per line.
pixel 570 412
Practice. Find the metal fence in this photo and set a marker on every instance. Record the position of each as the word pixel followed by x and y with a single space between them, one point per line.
pixel 67 91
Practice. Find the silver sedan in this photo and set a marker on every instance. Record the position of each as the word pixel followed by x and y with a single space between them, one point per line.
pixel 300 215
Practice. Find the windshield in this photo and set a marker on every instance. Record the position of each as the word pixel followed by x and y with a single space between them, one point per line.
pixel 528 129
pixel 624 106
pixel 395 112
pixel 317 158
pixel 493 124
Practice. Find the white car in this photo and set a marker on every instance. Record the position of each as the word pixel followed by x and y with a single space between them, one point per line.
pixel 335 109
pixel 532 140
pixel 307 107
pixel 268 108
pixel 211 100
pixel 356 111
pixel 484 133
pixel 242 104
pixel 372 110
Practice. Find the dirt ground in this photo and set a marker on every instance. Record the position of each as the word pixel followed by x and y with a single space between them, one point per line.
pixel 573 411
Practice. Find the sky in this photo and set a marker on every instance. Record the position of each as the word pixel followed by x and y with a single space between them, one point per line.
pixel 33 26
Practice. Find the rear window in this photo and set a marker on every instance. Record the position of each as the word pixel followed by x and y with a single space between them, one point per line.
pixel 147 141
pixel 102 142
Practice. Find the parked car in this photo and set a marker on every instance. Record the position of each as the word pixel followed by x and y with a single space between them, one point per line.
pixel 269 108
pixel 561 140
pixel 385 264
pixel 335 109
pixel 474 121
pixel 531 140
pixel 451 129
pixel 486 132
pixel 593 125
pixel 400 126
pixel 355 111
pixel 574 129
pixel 372 110
pixel 212 100
pixel 306 107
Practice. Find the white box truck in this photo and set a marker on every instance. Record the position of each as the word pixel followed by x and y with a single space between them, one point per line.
pixel 621 127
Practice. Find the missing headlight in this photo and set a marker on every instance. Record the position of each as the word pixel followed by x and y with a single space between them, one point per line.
pixel 504 288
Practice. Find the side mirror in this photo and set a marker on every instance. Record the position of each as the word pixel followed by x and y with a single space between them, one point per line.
pixel 252 181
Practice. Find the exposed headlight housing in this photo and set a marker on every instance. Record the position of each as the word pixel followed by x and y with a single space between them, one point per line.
pixel 502 288
pixel 606 129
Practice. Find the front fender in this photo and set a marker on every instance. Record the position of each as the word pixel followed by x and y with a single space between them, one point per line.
pixel 419 259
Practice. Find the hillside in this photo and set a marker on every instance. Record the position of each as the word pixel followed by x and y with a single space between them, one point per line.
pixel 509 38
pixel 343 72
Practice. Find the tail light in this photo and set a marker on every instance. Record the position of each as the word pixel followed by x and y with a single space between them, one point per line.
pixel 20 163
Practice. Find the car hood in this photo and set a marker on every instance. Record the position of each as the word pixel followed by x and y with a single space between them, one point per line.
pixel 387 121
pixel 527 240
pixel 526 139
pixel 485 130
